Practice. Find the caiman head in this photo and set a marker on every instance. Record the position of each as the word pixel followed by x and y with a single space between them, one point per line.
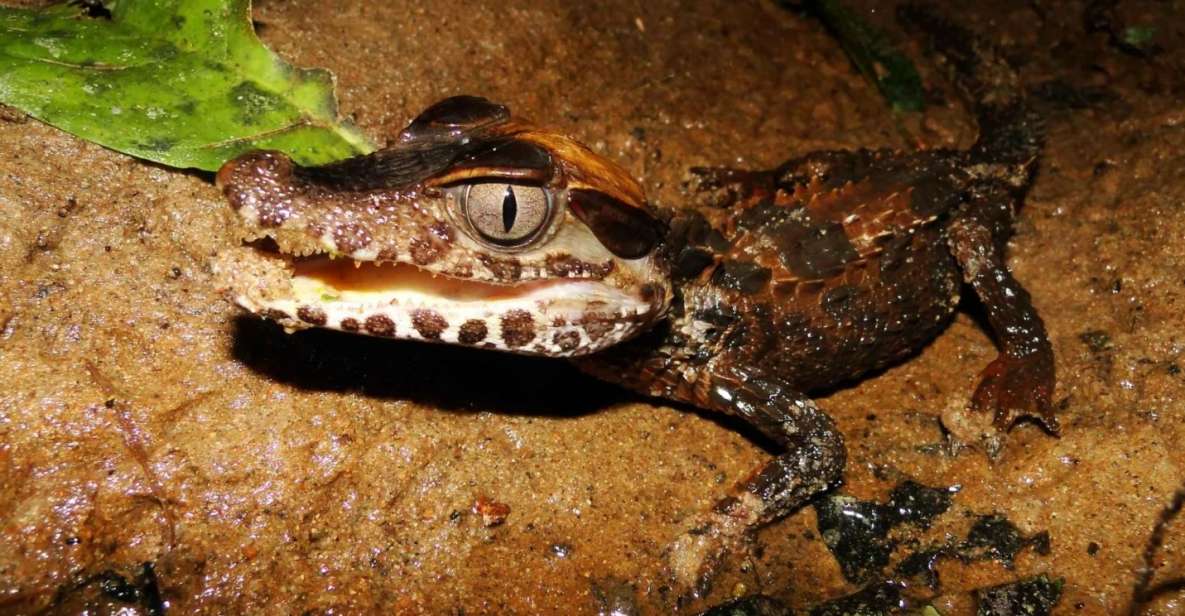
pixel 474 228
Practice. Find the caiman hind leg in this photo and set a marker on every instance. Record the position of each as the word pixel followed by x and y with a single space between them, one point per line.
pixel 1020 381
pixel 812 461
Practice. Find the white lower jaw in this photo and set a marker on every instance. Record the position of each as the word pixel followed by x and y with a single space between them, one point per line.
pixel 554 318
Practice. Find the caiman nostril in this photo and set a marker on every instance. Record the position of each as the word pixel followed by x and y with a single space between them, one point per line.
pixel 250 178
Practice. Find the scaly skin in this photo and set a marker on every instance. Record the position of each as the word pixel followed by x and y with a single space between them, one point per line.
pixel 586 277
pixel 778 283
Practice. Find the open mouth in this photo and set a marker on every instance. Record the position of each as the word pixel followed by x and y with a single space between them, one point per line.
pixel 560 317
pixel 367 282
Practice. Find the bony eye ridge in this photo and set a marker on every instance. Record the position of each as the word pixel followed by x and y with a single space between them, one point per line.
pixel 506 214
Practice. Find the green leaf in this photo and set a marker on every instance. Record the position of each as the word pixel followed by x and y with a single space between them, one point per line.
pixel 1139 37
pixel 873 53
pixel 185 83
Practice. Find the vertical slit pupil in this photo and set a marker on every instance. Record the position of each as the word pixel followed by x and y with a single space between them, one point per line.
pixel 509 209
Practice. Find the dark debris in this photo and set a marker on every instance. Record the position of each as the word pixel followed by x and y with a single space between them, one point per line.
pixel 1033 596
pixel 753 605
pixel 879 599
pixel 992 537
pixel 857 532
pixel 142 590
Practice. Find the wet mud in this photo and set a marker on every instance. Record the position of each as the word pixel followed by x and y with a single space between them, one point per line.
pixel 161 452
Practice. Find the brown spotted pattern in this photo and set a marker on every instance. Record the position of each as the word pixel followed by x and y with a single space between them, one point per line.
pixel 312 315
pixel 380 325
pixel 504 269
pixel 596 325
pixel 264 177
pixel 428 323
pixel 424 251
pixel 518 328
pixel 472 331
pixel 567 266
pixel 566 341
pixel 276 314
pixel 432 244
pixel 351 237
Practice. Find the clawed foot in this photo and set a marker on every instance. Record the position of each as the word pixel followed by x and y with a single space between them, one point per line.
pixel 692 561
pixel 693 558
pixel 1010 389
pixel 1016 388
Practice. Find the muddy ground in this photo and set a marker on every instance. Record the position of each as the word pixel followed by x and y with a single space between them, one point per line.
pixel 158 447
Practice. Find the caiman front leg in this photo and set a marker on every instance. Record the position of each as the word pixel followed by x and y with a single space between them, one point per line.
pixel 812 458
pixel 812 461
pixel 1020 381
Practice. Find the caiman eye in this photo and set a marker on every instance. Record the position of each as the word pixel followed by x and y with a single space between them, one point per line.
pixel 506 214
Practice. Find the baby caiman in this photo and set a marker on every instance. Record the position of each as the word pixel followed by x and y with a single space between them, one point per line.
pixel 477 228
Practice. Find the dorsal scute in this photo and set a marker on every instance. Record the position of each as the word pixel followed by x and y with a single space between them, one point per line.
pixel 835 212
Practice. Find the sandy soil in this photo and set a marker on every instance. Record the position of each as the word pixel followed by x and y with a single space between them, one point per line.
pixel 144 420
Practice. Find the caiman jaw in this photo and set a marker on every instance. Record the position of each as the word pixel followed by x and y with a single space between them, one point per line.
pixel 474 229
pixel 399 300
